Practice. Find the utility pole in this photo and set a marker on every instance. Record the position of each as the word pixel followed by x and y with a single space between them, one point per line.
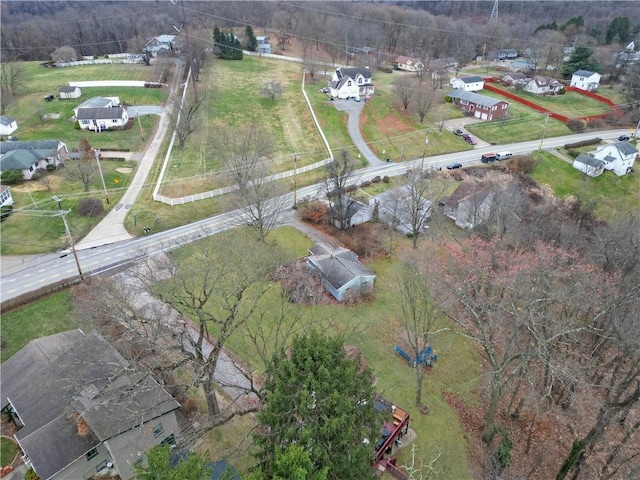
pixel 139 123
pixel 544 129
pixel 295 173
pixel 63 214
pixel 424 150
pixel 96 153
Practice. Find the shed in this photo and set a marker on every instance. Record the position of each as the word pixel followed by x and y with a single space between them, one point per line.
pixel 589 165
pixel 70 92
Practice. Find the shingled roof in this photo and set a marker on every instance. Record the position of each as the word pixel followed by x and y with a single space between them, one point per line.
pixel 475 98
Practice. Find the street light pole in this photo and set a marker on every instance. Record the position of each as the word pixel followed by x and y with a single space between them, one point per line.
pixel 295 173
pixel 96 152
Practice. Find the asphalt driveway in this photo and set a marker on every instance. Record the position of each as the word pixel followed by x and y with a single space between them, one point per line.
pixel 140 110
pixel 353 109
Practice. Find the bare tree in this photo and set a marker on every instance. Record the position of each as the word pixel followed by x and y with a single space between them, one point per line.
pixel 419 200
pixel 246 155
pixel 64 54
pixel 272 89
pixel 405 90
pixel 424 102
pixel 185 116
pixel 338 175
pixel 81 164
pixel 11 77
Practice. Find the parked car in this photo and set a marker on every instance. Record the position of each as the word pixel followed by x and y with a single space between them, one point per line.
pixel 453 166
pixel 469 139
pixel 623 138
pixel 489 158
pixel 458 132
pixel 503 155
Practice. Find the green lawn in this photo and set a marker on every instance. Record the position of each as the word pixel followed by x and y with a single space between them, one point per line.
pixel 8 451
pixel 612 194
pixel 47 233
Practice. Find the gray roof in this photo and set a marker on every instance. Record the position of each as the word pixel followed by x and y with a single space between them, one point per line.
pixel 583 73
pixel 53 379
pixel 354 71
pixel 19 159
pixel 23 154
pixel 95 102
pixel 625 147
pixel 100 113
pixel 472 79
pixel 6 121
pixel 589 160
pixel 338 265
pixel 475 98
pixel 42 145
pixel 68 89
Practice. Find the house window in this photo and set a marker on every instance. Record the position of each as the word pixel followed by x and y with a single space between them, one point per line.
pixel 91 453
pixel 86 122
pixel 360 81
pixel 463 102
pixel 349 83
pixel 158 430
pixel 170 440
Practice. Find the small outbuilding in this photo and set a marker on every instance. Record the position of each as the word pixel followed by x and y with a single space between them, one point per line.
pixel 588 165
pixel 68 91
pixel 8 125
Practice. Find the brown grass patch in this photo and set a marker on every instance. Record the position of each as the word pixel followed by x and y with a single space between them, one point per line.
pixel 35 186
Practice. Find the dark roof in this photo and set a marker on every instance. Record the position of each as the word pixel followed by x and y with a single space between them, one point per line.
pixel 589 160
pixel 54 380
pixel 475 98
pixel 19 159
pixel 466 191
pixel 68 89
pixel 583 73
pixel 353 72
pixel 338 265
pixel 4 120
pixel 625 147
pixel 100 113
pixel 472 79
pixel 407 60
pixel 30 145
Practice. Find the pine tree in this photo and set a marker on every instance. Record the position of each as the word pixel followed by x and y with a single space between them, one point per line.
pixel 581 59
pixel 252 41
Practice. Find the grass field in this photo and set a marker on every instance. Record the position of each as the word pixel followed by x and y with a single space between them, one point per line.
pixel 8 451
pixel 34 205
pixel 612 195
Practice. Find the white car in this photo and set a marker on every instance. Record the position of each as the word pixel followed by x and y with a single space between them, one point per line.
pixel 503 155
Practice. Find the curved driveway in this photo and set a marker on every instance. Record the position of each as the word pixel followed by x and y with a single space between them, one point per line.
pixel 353 109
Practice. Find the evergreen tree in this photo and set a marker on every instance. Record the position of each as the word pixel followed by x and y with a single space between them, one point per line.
pixel 159 466
pixel 322 401
pixel 619 29
pixel 581 59
pixel 252 41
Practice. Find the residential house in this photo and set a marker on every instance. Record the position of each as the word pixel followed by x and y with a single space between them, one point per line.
pixel 589 165
pixel 29 156
pixel 469 205
pixel 467 84
pixel 515 79
pixel 617 157
pixel 340 270
pixel 163 45
pixel 98 102
pixel 99 119
pixel 8 125
pixel 6 199
pixel 504 54
pixel 351 82
pixel 263 45
pixel 408 64
pixel 585 80
pixel 354 213
pixel 81 409
pixel 480 106
pixel 442 64
pixel 395 208
pixel 540 85
pixel 522 66
pixel 68 91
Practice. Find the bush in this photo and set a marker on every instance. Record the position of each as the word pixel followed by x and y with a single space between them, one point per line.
pixel 90 207
pixel 577 125
pixel 364 184
pixel 51 168
pixel 313 212
pixel 385 69
pixel 573 153
pixel 522 164
pixel 376 179
pixel 584 143
pixel 385 179
pixel 5 212
pixel 11 177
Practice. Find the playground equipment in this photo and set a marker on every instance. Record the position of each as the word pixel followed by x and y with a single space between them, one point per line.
pixel 425 356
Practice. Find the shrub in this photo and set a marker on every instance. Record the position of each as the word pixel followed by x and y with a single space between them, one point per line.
pixel 577 125
pixel 573 153
pixel 11 177
pixel 584 143
pixel 386 69
pixel 350 188
pixel 385 179
pixel 313 212
pixel 376 179
pixel 90 207
pixel 522 164
pixel 364 184
pixel 5 212
pixel 51 168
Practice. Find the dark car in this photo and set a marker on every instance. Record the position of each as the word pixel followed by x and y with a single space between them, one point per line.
pixel 453 166
pixel 469 139
pixel 458 132
pixel 623 138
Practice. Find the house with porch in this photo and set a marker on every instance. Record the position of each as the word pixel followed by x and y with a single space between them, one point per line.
pixel 263 45
pixel 351 82
pixel 468 84
pixel 8 125
pixel 540 85
pixel 81 410
pixel 98 102
pixel 479 106
pixel 99 119
pixel 617 157
pixel 588 165
pixel 408 64
pixel 343 275
pixel 29 156
pixel 515 79
pixel 67 91
pixel 585 80
pixel 503 54
pixel 162 45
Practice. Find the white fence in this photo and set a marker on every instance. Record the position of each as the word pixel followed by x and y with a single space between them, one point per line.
pixel 97 61
pixel 114 83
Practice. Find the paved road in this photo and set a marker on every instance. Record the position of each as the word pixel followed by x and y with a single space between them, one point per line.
pixel 353 110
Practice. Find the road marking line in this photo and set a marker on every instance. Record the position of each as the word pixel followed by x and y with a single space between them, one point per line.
pixel 27 275
pixel 14 290
pixel 69 271
pixel 40 271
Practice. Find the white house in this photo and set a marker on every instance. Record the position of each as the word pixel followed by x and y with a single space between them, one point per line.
pixel 351 82
pixel 340 270
pixel 29 156
pixel 162 45
pixel 468 84
pixel 588 165
pixel 469 205
pixel 408 64
pixel 263 45
pixel 617 157
pixel 81 409
pixel 540 85
pixel 516 79
pixel 99 119
pixel 395 208
pixel 6 199
pixel 585 80
pixel 98 102
pixel 68 91
pixel 8 125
